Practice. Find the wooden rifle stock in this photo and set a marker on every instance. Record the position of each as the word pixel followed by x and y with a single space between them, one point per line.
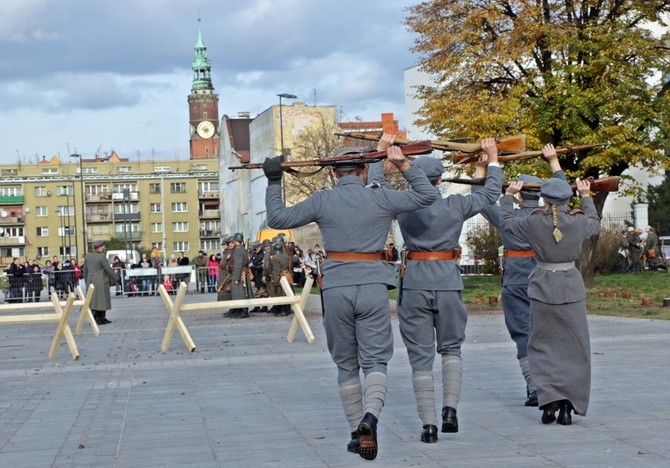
pixel 412 149
pixel 513 144
pixel 465 158
pixel 606 184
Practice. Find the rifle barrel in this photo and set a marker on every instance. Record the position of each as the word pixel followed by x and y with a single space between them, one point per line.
pixel 465 158
pixel 606 184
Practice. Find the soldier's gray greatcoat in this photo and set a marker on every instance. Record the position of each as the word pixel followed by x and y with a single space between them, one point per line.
pixel 240 261
pixel 354 218
pixel 517 270
pixel 99 273
pixel 558 349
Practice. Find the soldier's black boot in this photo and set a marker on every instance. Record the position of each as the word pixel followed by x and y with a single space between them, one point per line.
pixel 367 431
pixel 564 410
pixel 449 419
pixel 242 314
pixel 429 434
pixel 549 412
pixel 354 444
pixel 232 313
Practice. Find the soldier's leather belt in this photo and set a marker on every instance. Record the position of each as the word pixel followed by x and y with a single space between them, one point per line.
pixel 449 255
pixel 355 256
pixel 518 253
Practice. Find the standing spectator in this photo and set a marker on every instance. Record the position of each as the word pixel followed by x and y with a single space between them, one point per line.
pixel 16 272
pixel 624 253
pixel 49 271
pixel 173 262
pixel 183 260
pixel 34 284
pixel 146 282
pixel 212 273
pixel 297 267
pixel 68 275
pixel 354 221
pixel 100 274
pixel 118 267
pixel 558 350
pixel 652 250
pixel 635 248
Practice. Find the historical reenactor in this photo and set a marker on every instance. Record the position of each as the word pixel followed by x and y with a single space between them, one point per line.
pixel 237 268
pixel 558 348
pixel 652 249
pixel 223 287
pixel 518 263
pixel 200 262
pixel 354 220
pixel 278 266
pixel 635 249
pixel 432 308
pixel 256 267
pixel 100 274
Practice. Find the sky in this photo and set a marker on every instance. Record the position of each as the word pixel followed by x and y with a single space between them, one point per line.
pixel 89 77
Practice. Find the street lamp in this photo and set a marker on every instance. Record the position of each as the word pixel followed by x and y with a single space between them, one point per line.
pixel 281 122
pixel 83 206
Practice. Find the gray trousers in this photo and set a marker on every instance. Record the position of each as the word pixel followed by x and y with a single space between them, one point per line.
pixel 358 329
pixel 431 321
pixel 516 307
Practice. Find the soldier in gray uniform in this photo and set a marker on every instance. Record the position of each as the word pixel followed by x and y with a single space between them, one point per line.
pixel 278 265
pixel 558 347
pixel 239 263
pixel 432 307
pixel 518 263
pixel 354 221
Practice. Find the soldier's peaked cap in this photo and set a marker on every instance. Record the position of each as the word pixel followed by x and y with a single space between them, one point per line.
pixel 432 167
pixel 347 165
pixel 529 179
pixel 556 191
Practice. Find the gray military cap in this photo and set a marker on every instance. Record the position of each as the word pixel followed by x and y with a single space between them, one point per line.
pixel 432 167
pixel 556 191
pixel 347 166
pixel 529 179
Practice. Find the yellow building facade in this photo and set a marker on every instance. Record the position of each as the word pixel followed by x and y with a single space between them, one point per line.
pixel 173 205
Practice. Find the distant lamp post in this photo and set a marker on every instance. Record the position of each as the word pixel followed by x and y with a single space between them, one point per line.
pixel 84 237
pixel 281 120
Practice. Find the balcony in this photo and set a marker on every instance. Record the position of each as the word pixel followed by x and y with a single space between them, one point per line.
pixel 12 241
pixel 15 199
pixel 126 216
pixel 99 197
pixel 210 233
pixel 210 214
pixel 99 218
pixel 132 196
pixel 12 220
pixel 131 236
pixel 209 194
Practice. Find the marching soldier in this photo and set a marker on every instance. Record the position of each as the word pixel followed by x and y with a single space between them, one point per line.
pixel 354 221
pixel 518 263
pixel 224 286
pixel 238 265
pixel 558 347
pixel 432 308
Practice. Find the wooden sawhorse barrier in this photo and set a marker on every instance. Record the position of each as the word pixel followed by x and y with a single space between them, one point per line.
pixel 60 315
pixel 176 308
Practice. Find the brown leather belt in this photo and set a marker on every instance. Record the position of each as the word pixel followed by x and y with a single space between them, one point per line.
pixel 450 255
pixel 355 256
pixel 518 253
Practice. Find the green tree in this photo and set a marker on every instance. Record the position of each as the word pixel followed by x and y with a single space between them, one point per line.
pixel 578 72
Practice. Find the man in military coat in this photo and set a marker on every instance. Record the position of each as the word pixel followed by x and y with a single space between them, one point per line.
pixel 100 274
pixel 354 221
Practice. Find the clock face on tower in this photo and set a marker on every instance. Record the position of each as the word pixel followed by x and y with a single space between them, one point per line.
pixel 205 129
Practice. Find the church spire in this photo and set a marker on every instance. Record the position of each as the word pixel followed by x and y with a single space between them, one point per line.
pixel 202 67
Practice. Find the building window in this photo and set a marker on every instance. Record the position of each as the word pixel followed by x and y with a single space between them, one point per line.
pixel 162 169
pixel 42 252
pixel 66 190
pixel 96 189
pixel 180 226
pixel 43 231
pixel 126 208
pixel 49 170
pixel 41 211
pixel 11 192
pixel 181 246
pixel 179 207
pixel 119 188
pixel 154 188
pixel 63 210
pixel 178 187
pixel 209 245
pixel 124 169
pixel 156 208
pixel 156 227
pixel 42 191
pixel 9 172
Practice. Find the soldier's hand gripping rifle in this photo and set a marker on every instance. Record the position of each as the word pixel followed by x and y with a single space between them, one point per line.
pixel 411 149
pixel 465 158
pixel 606 184
pixel 513 144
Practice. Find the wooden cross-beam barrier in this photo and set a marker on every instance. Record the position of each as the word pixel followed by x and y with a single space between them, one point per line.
pixel 177 307
pixel 86 313
pixel 60 316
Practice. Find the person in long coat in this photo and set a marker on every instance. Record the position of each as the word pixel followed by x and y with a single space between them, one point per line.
pixel 558 349
pixel 354 220
pixel 100 274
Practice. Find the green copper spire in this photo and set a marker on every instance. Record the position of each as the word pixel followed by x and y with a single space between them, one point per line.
pixel 201 66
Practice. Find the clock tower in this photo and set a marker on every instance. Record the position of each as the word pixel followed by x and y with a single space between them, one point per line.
pixel 203 108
